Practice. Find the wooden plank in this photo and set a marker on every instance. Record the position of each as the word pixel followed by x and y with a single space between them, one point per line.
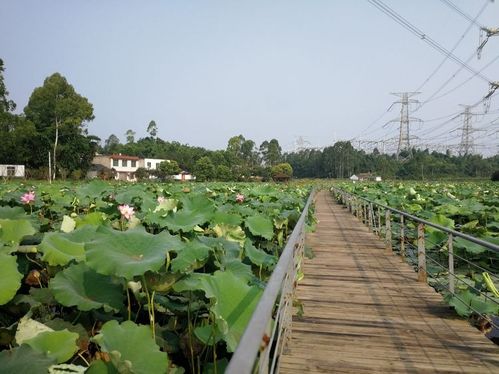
pixel 365 312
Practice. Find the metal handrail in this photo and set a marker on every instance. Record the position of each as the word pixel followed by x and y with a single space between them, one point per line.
pixel 245 356
pixel 470 238
pixel 363 208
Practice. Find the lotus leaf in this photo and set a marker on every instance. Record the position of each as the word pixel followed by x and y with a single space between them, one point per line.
pixel 227 219
pixel 59 345
pixel 234 304
pixel 132 348
pixel 13 230
pixel 192 256
pixel 261 226
pixel 231 233
pixel 59 249
pixel 130 253
pixel 259 257
pixel 185 220
pixel 12 213
pixel 86 289
pixel 24 359
pixel 92 219
pixel 167 205
pixel 466 303
pixel 10 279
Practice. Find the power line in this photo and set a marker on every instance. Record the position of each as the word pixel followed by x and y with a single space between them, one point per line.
pixel 426 38
pixel 451 5
pixel 472 22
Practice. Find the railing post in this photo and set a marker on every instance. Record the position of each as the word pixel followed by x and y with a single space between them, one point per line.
pixel 422 277
pixel 451 263
pixel 379 221
pixel 370 219
pixel 402 237
pixel 388 235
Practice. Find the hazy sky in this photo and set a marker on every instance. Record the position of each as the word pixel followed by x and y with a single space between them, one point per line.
pixel 206 70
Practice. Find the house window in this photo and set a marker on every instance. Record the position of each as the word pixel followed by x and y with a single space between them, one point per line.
pixel 148 165
pixel 134 163
pixel 115 162
pixel 11 171
pixel 124 163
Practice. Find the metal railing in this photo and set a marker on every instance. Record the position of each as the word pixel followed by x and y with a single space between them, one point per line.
pixel 269 328
pixel 401 229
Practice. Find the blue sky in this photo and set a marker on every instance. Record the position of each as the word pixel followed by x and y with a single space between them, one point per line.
pixel 208 70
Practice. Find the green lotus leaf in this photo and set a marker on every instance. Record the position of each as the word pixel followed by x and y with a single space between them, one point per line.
pixel 13 230
pixel 435 236
pixel 198 203
pixel 231 233
pixel 184 220
pixel 59 345
pixel 261 226
pixel 24 359
pixel 12 213
pixel 132 348
pixel 59 249
pixel 192 256
pixel 236 267
pixel 10 279
pixel 91 219
pixel 101 367
pixel 129 253
pixel 226 219
pixel 83 287
pixel 167 205
pixel 93 189
pixel 258 256
pixel 466 303
pixel 234 304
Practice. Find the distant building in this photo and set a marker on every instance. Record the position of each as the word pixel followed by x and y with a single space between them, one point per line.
pixel 365 177
pixel 151 163
pixel 123 167
pixel 12 171
pixel 184 176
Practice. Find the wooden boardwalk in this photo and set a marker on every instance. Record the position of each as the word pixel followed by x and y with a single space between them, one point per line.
pixel 365 312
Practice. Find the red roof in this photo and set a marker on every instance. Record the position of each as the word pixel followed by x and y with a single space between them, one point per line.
pixel 124 157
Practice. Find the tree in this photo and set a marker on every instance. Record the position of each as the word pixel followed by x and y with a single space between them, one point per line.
pixel 282 171
pixel 167 168
pixel 204 170
pixel 111 144
pixel 57 111
pixel 271 152
pixel 130 136
pixel 6 105
pixel 152 129
pixel 223 173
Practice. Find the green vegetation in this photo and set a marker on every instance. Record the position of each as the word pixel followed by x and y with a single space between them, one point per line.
pixel 471 208
pixel 139 278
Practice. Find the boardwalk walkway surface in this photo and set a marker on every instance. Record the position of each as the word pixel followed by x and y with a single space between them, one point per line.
pixel 366 312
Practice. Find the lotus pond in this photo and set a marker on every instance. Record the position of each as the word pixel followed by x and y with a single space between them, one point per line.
pixel 139 278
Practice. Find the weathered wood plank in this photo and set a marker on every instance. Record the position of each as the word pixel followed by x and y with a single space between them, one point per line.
pixel 366 312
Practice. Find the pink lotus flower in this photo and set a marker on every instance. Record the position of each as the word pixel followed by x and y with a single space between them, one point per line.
pixel 28 197
pixel 239 198
pixel 161 199
pixel 126 211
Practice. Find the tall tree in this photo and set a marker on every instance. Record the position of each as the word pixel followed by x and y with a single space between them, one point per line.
pixel 271 152
pixel 130 136
pixel 57 111
pixel 111 144
pixel 152 129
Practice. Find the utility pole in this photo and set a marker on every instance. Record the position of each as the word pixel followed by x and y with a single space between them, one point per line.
pixel 404 140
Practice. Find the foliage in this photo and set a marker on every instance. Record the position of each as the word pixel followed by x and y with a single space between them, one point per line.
pixel 167 168
pixel 171 287
pixel 204 170
pixel 281 171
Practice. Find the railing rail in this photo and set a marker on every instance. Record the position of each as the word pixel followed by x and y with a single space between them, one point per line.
pixel 264 338
pixel 364 209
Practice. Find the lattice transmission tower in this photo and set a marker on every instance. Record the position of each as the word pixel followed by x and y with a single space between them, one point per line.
pixel 405 120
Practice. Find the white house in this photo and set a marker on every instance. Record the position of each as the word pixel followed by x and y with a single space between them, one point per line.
pixel 125 166
pixel 184 176
pixel 11 171
pixel 151 163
